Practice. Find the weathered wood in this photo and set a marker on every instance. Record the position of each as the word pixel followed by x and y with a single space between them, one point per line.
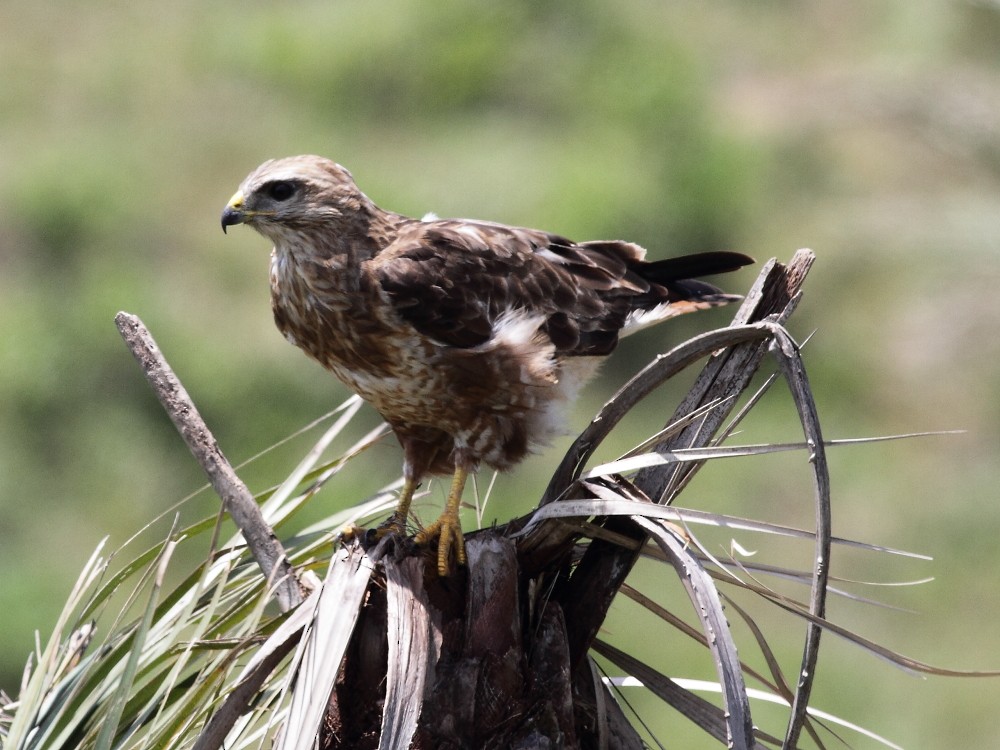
pixel 463 653
pixel 354 711
pixel 414 636
pixel 235 496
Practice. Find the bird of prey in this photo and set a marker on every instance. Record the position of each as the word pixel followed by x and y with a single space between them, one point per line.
pixel 470 338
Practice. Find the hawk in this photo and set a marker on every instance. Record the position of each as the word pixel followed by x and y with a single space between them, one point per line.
pixel 470 338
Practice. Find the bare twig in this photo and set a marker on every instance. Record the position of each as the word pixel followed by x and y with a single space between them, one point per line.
pixel 236 498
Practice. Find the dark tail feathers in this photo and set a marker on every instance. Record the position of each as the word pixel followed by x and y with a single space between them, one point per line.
pixel 687 267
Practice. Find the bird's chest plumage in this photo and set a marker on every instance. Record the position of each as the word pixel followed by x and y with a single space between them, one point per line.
pixel 490 402
pixel 345 325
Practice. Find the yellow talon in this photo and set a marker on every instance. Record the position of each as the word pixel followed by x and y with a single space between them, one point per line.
pixel 397 521
pixel 349 533
pixel 448 528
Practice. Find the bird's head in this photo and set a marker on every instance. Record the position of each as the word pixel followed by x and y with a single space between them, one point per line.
pixel 284 197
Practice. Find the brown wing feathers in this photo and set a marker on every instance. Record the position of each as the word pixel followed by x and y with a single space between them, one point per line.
pixel 451 280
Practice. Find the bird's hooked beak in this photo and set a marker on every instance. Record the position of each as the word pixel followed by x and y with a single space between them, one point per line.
pixel 233 213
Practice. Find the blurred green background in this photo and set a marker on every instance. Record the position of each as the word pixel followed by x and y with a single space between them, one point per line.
pixel 865 130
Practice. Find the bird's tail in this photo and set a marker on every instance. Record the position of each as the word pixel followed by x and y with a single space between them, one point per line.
pixel 685 293
pixel 687 267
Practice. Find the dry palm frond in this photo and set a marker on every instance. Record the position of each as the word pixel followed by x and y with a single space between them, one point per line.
pixel 381 654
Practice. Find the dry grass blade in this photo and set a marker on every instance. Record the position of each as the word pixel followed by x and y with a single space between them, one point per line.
pixel 702 592
pixel 612 500
pixel 324 645
pixel 728 568
pixel 109 727
pixel 794 371
pixel 648 380
pixel 31 714
pixel 261 665
pixel 705 715
pixel 761 695
pixel 892 657
pixel 349 409
pixel 670 430
pixel 414 645
pixel 777 684
pixel 680 694
pixel 635 461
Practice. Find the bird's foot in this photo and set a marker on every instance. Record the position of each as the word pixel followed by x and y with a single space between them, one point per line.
pixel 448 530
pixel 394 524
pixel 367 538
pixel 349 533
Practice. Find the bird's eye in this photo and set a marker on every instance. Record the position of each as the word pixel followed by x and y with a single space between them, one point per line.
pixel 280 191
